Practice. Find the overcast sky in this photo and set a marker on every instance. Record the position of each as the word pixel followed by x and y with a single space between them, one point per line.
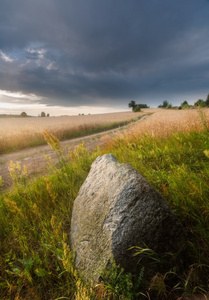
pixel 71 56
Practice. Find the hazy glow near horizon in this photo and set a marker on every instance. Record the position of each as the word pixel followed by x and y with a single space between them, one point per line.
pixel 16 102
pixel 35 110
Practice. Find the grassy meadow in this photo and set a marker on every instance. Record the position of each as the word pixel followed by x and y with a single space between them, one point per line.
pixel 171 150
pixel 18 133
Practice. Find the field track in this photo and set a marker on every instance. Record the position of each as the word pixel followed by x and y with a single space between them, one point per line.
pixel 161 123
pixel 33 158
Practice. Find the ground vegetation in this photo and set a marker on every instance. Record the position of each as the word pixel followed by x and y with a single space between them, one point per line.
pixel 171 150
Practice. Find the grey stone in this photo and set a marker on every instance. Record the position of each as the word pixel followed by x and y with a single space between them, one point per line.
pixel 117 208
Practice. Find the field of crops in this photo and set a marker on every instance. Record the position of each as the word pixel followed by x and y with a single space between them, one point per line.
pixel 166 122
pixel 17 133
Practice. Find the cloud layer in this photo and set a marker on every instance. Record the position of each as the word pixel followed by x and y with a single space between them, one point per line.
pixel 105 53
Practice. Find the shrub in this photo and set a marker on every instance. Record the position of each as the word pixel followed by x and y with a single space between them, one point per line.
pixel 137 108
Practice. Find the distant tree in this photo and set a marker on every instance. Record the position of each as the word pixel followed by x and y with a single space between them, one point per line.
pixel 200 103
pixel 164 105
pixel 169 105
pixel 184 104
pixel 47 115
pixel 207 100
pixel 132 104
pixel 137 108
pixel 143 105
pixel 23 115
pixel 43 114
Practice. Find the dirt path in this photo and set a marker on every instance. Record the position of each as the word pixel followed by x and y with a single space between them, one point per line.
pixel 34 158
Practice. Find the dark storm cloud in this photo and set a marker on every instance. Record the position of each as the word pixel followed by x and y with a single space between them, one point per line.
pixel 105 52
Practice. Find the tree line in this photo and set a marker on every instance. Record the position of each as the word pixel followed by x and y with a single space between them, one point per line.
pixel 24 114
pixel 199 103
pixel 185 104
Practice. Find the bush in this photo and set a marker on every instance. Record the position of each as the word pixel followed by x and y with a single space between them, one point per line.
pixel 200 103
pixel 23 115
pixel 137 108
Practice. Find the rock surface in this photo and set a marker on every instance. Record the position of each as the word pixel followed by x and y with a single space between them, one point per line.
pixel 116 208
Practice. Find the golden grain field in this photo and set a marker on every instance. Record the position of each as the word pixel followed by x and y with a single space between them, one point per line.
pixel 164 123
pixel 16 133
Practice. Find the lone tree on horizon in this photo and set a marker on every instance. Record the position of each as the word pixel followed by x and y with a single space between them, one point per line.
pixel 43 114
pixel 164 105
pixel 132 104
pixel 23 114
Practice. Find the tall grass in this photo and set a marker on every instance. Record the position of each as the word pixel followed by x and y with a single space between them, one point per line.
pixel 35 258
pixel 34 221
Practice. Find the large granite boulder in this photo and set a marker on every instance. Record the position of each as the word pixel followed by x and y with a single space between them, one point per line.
pixel 116 208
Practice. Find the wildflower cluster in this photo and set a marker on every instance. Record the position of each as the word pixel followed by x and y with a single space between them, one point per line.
pixel 1 181
pixel 52 141
pixel 206 152
pixel 12 207
pixel 18 173
pixel 50 190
